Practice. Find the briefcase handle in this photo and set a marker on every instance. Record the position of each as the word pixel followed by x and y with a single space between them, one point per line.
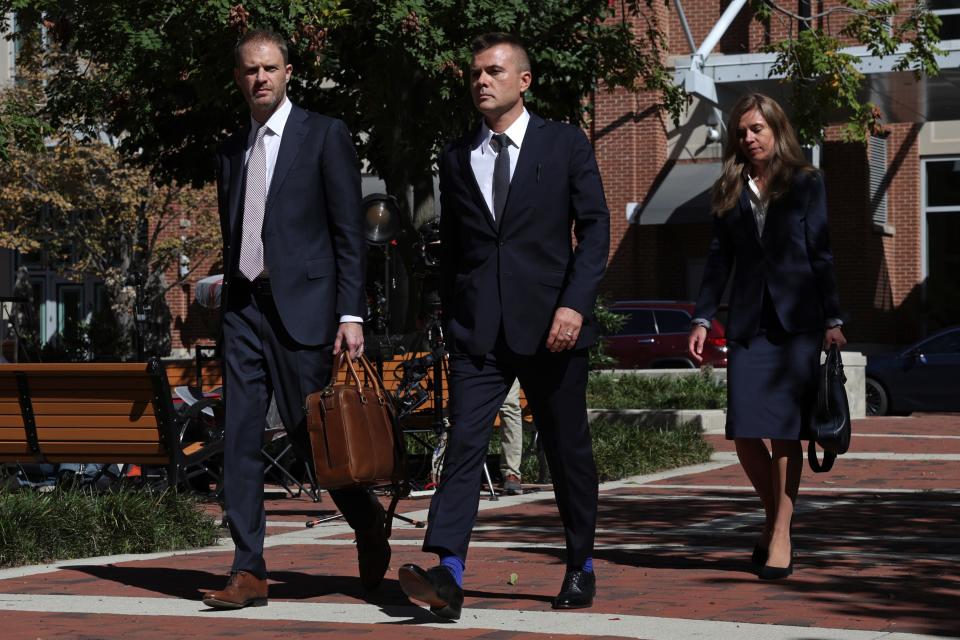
pixel 344 357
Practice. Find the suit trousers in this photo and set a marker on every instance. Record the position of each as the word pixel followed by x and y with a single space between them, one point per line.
pixel 261 359
pixel 555 387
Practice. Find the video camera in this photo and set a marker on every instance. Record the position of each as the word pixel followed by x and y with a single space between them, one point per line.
pixel 410 393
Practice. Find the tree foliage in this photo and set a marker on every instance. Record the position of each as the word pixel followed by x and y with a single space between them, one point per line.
pixel 824 77
pixel 157 75
pixel 83 209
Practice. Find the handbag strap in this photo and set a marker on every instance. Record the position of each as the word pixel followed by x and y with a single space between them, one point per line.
pixel 833 368
pixel 816 465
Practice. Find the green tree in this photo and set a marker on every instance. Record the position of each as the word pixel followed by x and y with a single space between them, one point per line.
pixel 83 209
pixel 824 78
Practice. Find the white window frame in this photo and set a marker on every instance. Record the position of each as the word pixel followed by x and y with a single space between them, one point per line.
pixel 925 209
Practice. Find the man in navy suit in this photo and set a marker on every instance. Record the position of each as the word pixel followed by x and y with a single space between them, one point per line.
pixel 294 259
pixel 517 301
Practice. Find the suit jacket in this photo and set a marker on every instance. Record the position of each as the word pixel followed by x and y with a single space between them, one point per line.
pixel 792 260
pixel 314 247
pixel 516 271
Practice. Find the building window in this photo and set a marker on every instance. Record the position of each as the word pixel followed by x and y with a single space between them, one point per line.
pixel 949 12
pixel 70 313
pixel 942 240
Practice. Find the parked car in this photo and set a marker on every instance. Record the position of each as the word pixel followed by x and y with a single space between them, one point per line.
pixel 655 333
pixel 922 377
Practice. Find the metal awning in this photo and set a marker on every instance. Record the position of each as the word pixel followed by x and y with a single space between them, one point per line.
pixel 900 94
pixel 682 197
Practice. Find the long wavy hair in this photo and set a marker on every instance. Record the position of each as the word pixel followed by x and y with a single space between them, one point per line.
pixel 785 161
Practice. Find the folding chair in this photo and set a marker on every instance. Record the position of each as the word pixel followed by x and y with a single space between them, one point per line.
pixel 280 456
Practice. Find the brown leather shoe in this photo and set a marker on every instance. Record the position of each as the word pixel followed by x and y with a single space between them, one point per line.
pixel 373 552
pixel 511 485
pixel 243 590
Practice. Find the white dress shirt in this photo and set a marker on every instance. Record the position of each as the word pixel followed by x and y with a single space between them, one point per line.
pixel 483 156
pixel 757 204
pixel 271 141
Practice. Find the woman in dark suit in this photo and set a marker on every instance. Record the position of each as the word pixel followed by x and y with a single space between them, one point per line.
pixel 771 225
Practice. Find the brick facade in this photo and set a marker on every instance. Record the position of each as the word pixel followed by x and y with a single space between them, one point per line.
pixel 879 275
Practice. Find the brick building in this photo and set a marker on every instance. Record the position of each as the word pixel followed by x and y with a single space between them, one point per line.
pixel 894 204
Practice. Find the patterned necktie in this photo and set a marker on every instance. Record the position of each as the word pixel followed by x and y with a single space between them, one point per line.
pixel 501 173
pixel 254 206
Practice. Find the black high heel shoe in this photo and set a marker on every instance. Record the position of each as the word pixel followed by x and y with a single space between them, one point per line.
pixel 759 555
pixel 775 573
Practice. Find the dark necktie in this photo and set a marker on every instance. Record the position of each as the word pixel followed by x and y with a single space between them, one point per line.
pixel 501 174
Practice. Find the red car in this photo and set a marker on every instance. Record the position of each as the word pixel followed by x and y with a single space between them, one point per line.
pixel 655 333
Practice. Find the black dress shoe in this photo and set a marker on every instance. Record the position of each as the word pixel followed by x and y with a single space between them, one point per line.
pixel 577 591
pixel 373 553
pixel 436 587
pixel 759 555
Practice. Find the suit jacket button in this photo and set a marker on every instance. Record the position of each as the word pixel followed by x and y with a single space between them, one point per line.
pixel 502 242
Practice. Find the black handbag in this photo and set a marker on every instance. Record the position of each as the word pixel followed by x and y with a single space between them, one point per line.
pixel 830 420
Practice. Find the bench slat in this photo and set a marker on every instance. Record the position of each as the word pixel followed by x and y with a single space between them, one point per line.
pixel 99 368
pixel 15 451
pixel 93 451
pixel 75 434
pixel 117 423
pixel 42 385
pixel 110 458
pixel 102 394
pixel 72 408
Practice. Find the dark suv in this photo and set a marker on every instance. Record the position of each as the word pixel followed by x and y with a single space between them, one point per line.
pixel 655 333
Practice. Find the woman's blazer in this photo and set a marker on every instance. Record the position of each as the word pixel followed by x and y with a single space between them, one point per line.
pixel 792 259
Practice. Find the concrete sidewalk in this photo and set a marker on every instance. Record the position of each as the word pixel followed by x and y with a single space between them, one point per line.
pixel 877 542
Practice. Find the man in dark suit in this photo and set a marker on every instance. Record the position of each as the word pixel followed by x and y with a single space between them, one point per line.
pixel 294 260
pixel 517 301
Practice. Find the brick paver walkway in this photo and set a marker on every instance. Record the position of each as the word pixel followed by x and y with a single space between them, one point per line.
pixel 878 544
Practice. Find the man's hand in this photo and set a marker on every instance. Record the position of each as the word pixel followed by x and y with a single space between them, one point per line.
pixel 565 329
pixel 349 337
pixel 834 335
pixel 698 335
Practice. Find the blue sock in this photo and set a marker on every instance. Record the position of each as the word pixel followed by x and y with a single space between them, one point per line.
pixel 455 566
pixel 588 565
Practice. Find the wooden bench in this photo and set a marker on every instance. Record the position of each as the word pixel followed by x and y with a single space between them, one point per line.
pixel 97 413
pixel 183 372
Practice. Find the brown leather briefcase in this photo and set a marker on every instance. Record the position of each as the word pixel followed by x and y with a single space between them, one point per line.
pixel 353 429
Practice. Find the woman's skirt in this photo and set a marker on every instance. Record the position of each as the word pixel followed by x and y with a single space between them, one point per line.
pixel 771 384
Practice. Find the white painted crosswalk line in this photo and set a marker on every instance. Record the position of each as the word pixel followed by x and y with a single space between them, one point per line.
pixel 584 625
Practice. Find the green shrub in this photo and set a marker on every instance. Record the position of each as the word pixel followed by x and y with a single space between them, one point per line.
pixel 628 391
pixel 78 523
pixel 622 449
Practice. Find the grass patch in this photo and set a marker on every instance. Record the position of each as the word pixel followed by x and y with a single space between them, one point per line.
pixel 77 523
pixel 699 391
pixel 622 450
